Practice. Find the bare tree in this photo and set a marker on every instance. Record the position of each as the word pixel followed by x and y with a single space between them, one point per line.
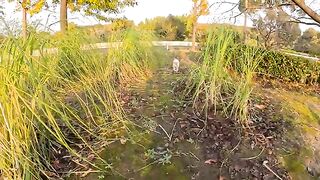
pixel 310 15
pixel 310 12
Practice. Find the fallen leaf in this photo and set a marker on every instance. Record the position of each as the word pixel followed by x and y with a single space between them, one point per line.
pixel 91 157
pixel 84 174
pixel 123 141
pixel 210 161
pixel 261 106
pixel 57 165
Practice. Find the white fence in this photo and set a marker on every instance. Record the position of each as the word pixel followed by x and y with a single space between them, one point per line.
pixel 304 56
pixel 166 44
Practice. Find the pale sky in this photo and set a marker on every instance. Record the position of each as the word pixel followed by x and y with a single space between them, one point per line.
pixel 144 9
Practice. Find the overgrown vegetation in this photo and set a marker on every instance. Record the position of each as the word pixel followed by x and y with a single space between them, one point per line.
pixel 215 84
pixel 225 76
pixel 283 66
pixel 55 101
pixel 289 68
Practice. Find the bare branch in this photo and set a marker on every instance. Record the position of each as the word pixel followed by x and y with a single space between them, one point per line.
pixel 303 22
pixel 311 13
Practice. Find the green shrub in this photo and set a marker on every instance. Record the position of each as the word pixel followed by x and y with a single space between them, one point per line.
pixel 290 68
pixel 285 67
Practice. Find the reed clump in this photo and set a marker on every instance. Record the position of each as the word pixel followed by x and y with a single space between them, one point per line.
pixel 62 98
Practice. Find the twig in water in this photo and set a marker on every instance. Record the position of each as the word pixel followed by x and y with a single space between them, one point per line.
pixel 265 165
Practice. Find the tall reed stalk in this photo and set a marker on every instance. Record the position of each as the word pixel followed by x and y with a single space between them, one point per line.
pixel 224 78
pixel 132 58
pixel 246 64
pixel 62 98
pixel 211 79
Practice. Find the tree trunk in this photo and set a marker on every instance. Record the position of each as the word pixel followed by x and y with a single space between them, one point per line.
pixel 245 21
pixel 311 13
pixel 63 16
pixel 194 34
pixel 24 21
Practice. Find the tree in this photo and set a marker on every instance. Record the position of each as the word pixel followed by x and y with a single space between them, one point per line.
pixel 298 15
pixel 308 42
pixel 1 10
pixel 288 33
pixel 180 25
pixel 167 28
pixel 267 28
pixel 63 16
pixel 200 8
pixel 274 29
pixel 97 8
pixel 310 12
pixel 121 24
pixel 29 7
pixel 297 9
pixel 245 7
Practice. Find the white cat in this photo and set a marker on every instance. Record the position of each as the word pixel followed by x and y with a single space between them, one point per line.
pixel 175 65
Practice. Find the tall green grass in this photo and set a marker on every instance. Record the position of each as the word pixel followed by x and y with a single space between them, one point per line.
pixel 62 99
pixel 211 79
pixel 222 81
pixel 131 59
pixel 245 67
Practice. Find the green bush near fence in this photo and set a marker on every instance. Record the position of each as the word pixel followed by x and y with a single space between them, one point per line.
pixel 285 67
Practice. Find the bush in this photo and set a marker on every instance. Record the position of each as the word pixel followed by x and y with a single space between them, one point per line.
pixel 286 67
pixel 224 78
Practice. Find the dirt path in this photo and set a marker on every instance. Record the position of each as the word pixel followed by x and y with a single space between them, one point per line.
pixel 163 153
pixel 170 141
pixel 176 145
pixel 156 148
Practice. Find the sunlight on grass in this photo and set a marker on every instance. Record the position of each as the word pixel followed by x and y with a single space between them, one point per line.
pixel 74 91
pixel 224 78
